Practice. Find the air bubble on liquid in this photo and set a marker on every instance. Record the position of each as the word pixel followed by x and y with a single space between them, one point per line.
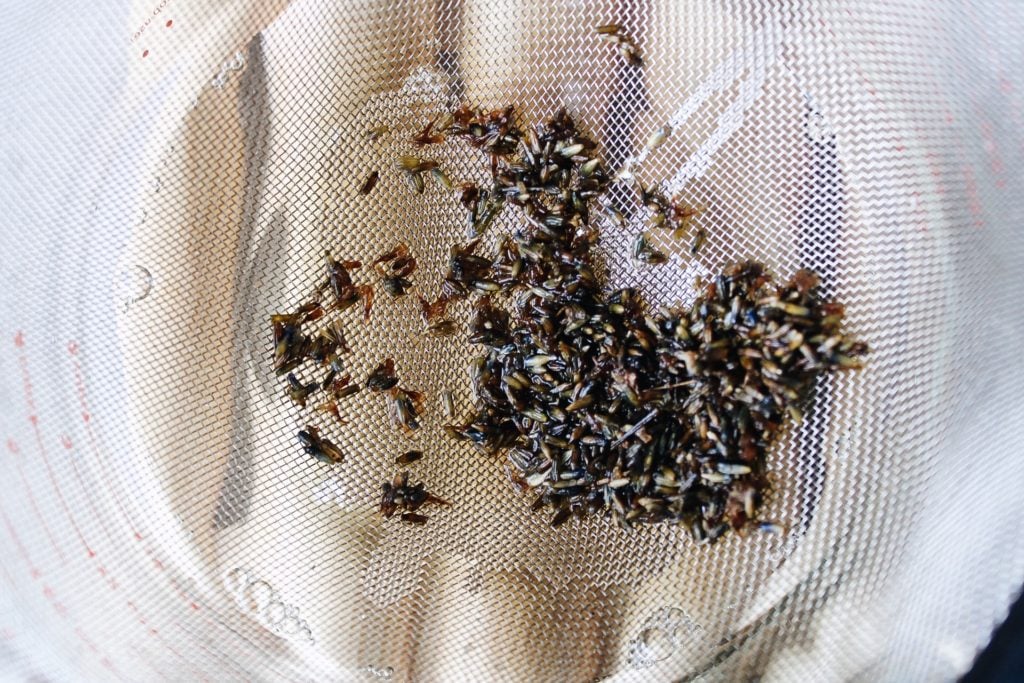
pixel 685 628
pixel 644 649
pixel 258 595
pixel 133 285
pixel 329 491
pixel 290 626
pixel 274 612
pixel 237 62
pixel 781 549
pixel 384 672
pixel 658 644
pixel 663 633
pixel 335 490
pixel 236 580
pixel 259 598
pixel 424 86
pixel 818 129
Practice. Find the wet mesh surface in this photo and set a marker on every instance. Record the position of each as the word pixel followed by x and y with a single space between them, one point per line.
pixel 870 144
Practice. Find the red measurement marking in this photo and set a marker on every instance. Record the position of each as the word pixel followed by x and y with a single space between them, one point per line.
pixel 35 508
pixel 79 382
pixel 66 442
pixel 234 665
pixel 111 581
pixel 933 164
pixel 145 53
pixel 86 491
pixel 58 606
pixel 105 661
pixel 85 639
pixel 141 618
pixel 921 222
pixel 1006 87
pixel 185 596
pixel 170 648
pixel 219 625
pixel 7 576
pixel 148 661
pixel 26 381
pixel 868 84
pixel 19 545
pixel 73 350
pixel 177 588
pixel 973 197
pixel 60 496
pixel 170 23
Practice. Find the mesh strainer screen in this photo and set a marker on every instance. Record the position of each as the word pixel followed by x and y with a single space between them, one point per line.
pixel 163 522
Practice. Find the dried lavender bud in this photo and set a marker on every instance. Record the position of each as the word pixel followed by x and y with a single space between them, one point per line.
pixel 376 133
pixel 405 407
pixel 383 376
pixel 643 252
pixel 299 392
pixel 340 284
pixel 394 268
pixel 290 345
pixel 658 137
pixel 319 447
pixel 396 286
pixel 448 404
pixel 614 34
pixel 603 407
pixel 369 183
pixel 442 328
pixel 400 495
pixel 409 457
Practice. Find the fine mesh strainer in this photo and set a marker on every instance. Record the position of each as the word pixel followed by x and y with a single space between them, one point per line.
pixel 173 172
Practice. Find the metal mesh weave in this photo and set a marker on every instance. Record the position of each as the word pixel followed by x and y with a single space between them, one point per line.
pixel 160 518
